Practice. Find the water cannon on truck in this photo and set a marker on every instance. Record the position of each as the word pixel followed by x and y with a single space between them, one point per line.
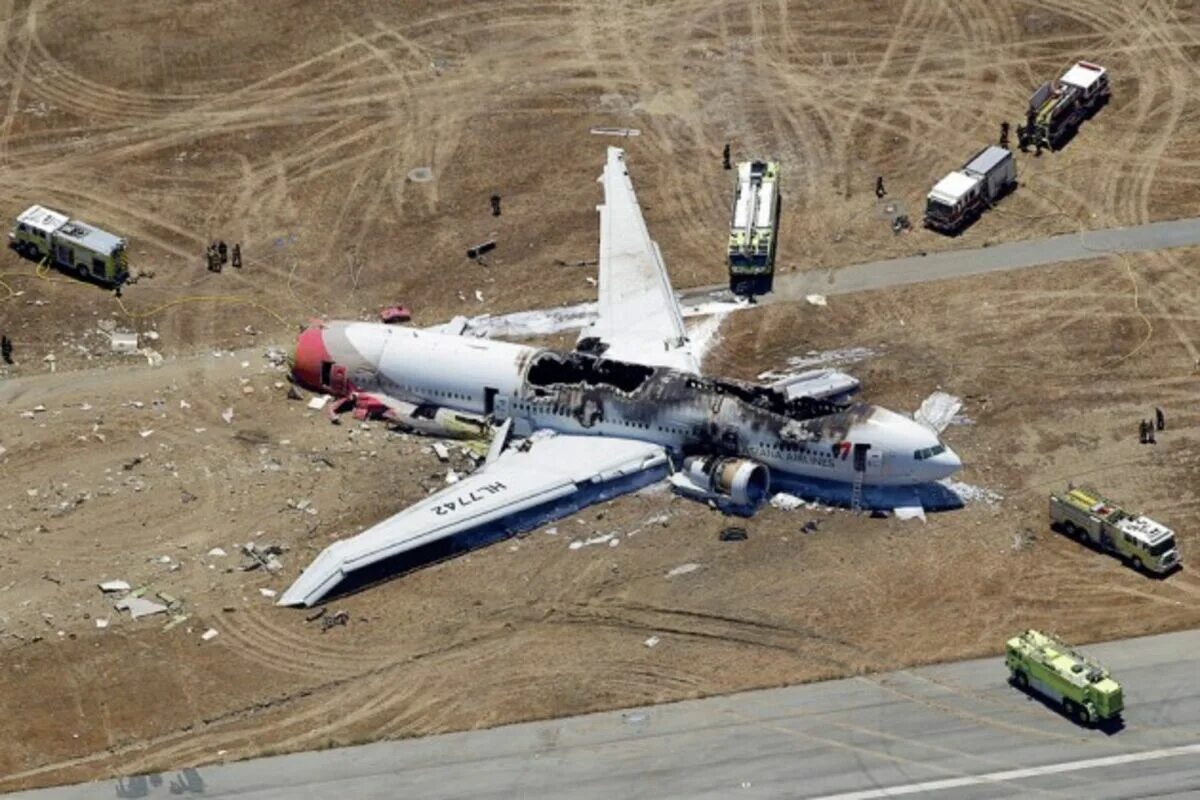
pixel 958 199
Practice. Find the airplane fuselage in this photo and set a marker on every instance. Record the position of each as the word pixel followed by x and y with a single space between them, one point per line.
pixel 584 394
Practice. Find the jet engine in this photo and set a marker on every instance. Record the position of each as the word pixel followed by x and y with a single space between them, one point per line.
pixel 737 481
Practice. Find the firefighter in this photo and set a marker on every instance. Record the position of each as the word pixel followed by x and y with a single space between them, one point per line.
pixel 1023 138
pixel 880 192
pixel 237 255
pixel 1142 432
pixel 725 157
pixel 223 252
pixel 1160 421
pixel 495 205
pixel 1004 134
pixel 6 349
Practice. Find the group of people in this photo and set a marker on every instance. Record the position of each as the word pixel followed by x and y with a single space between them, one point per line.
pixel 1148 427
pixel 218 255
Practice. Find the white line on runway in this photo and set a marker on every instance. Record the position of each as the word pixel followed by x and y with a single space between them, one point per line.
pixel 1015 774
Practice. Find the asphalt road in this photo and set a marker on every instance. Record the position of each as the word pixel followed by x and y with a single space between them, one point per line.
pixel 949 731
pixel 979 261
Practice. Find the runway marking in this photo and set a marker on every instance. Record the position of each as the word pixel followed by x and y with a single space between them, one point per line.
pixel 1016 774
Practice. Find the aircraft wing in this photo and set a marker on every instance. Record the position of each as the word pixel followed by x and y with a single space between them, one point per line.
pixel 639 318
pixel 542 478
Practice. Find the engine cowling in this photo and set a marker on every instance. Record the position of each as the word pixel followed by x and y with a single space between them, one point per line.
pixel 740 481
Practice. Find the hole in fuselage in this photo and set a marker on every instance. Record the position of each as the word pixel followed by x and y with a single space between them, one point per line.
pixel 550 369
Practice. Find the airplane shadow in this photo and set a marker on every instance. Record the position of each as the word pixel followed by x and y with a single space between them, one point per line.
pixel 467 541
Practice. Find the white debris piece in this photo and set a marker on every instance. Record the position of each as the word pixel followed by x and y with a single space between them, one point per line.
pixel 209 634
pixel 146 434
pixel 184 404
pixel 245 365
pixel 217 552
pixel 124 342
pixel 601 539
pixel 909 512
pixel 606 131
pixel 443 452
pixel 139 607
pixel 452 476
pixel 101 622
pixel 970 494
pixel 653 640
pixel 816 300
pixel 114 586
pixel 227 415
pixel 267 592
pixel 317 403
pixel 479 295
pixel 682 569
pixel 786 502
pixel 937 410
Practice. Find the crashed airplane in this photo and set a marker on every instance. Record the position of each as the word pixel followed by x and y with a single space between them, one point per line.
pixel 627 408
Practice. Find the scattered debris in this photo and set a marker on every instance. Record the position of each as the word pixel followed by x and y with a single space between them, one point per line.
pixel 114 586
pixel 102 622
pixel 420 175
pixel 217 552
pixel 209 634
pixel 810 526
pixel 275 356
pixel 786 502
pixel 653 640
pixel 909 512
pixel 227 415
pixel 124 342
pixel 395 315
pixel 606 131
pixel 816 300
pixel 443 452
pixel 316 615
pixel 317 403
pixel 968 493
pixel 682 569
pixel 733 535
pixel 266 557
pixel 267 592
pixel 938 410
pixel 334 620
pixel 139 607
pixel 146 434
pixel 452 476
pixel 601 539
pixel 481 248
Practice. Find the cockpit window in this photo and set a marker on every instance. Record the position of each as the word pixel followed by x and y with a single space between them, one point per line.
pixel 929 452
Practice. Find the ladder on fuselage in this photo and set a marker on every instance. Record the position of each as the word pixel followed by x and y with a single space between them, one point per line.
pixel 856 491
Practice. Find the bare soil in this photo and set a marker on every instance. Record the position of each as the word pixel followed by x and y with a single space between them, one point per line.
pixel 292 127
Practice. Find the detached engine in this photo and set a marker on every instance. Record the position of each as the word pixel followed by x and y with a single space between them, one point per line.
pixel 737 481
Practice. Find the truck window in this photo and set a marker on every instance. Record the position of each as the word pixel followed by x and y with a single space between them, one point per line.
pixel 1163 546
pixel 98 265
pixel 21 227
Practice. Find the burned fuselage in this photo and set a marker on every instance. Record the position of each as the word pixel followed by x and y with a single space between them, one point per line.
pixel 690 415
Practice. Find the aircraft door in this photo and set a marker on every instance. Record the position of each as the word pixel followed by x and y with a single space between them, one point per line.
pixel 860 457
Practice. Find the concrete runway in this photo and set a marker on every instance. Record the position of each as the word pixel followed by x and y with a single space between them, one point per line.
pixel 949 731
pixel 983 260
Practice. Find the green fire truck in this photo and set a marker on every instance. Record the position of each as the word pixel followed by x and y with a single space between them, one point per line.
pixel 73 246
pixel 753 228
pixel 1089 516
pixel 1042 663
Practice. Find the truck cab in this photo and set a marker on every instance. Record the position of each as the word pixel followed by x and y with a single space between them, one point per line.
pixel 953 199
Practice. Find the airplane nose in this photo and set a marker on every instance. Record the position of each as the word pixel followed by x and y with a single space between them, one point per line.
pixel 945 464
pixel 310 354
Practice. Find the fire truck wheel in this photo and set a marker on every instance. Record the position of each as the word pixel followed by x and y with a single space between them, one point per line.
pixel 1021 680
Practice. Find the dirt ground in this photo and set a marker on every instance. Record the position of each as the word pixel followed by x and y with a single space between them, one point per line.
pixel 292 127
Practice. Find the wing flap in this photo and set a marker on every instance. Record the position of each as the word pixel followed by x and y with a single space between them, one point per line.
pixel 535 475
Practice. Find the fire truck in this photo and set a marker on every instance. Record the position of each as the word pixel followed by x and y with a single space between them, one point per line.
pixel 1087 515
pixel 1042 663
pixel 1058 107
pixel 958 199
pixel 71 245
pixel 753 228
